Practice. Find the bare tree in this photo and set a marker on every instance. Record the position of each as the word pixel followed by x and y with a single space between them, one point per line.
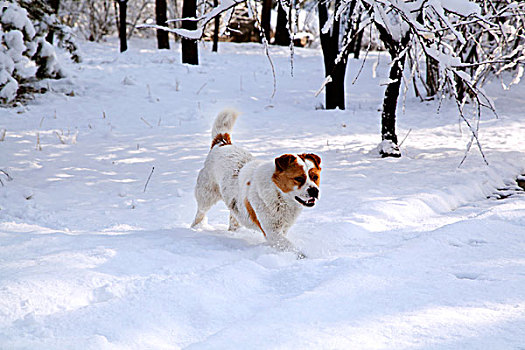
pixel 190 53
pixel 163 41
pixel 265 18
pixel 283 28
pixel 122 5
pixel 217 23
pixel 339 32
pixel 396 49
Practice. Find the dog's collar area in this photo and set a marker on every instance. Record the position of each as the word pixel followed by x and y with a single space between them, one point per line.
pixel 309 203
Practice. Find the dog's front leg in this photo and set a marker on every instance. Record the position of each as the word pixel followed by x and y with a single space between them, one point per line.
pixel 278 241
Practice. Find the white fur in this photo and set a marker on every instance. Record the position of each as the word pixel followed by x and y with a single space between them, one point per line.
pixel 224 122
pixel 231 173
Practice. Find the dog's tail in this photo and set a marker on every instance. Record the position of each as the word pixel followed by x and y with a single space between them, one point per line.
pixel 222 128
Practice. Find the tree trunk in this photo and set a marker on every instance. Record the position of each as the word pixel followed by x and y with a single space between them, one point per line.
pixel 163 41
pixel 432 77
pixel 265 19
pixel 190 51
pixel 282 34
pixel 55 5
pixel 357 43
pixel 334 90
pixel 123 4
pixel 217 21
pixel 388 116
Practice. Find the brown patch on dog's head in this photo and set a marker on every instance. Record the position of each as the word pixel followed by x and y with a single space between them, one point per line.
pixel 221 140
pixel 313 173
pixel 313 157
pixel 288 173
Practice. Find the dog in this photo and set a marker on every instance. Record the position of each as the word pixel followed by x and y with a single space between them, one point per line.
pixel 266 196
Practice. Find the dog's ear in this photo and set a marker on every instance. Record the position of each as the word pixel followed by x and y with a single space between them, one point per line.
pixel 283 162
pixel 313 157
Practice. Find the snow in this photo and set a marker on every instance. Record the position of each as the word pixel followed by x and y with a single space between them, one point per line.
pixel 18 45
pixel 411 252
pixel 15 16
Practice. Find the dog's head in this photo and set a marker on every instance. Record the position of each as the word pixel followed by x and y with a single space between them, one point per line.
pixel 298 176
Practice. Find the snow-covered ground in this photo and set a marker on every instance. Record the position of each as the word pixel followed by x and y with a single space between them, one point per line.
pixel 405 253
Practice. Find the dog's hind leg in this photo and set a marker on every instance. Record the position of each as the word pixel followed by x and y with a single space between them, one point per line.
pixel 207 194
pixel 234 224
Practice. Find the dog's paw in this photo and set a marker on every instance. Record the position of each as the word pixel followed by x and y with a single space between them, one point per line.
pixel 301 256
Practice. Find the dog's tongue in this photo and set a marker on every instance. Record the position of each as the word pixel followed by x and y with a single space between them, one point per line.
pixel 311 200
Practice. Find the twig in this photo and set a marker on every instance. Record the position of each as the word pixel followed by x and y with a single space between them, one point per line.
pixel 60 138
pixel 9 178
pixel 149 177
pixel 38 147
pixel 144 120
pixel 2 135
pixel 202 87
pixel 404 138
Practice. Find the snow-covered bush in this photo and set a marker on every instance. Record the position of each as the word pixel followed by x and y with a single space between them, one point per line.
pixel 25 55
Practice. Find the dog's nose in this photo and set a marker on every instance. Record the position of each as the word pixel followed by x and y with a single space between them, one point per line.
pixel 313 192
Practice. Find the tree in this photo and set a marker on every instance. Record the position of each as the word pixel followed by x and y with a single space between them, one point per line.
pixel 396 46
pixel 266 13
pixel 336 47
pixel 163 41
pixel 282 30
pixel 217 23
pixel 122 5
pixel 335 70
pixel 190 53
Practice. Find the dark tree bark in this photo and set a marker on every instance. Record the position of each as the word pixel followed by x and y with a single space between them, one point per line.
pixel 265 18
pixel 432 77
pixel 163 40
pixel 190 51
pixel 469 56
pixel 55 5
pixel 282 34
pixel 356 44
pixel 388 116
pixel 217 21
pixel 123 7
pixel 334 90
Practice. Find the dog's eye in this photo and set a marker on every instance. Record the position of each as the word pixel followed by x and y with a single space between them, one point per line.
pixel 314 177
pixel 299 179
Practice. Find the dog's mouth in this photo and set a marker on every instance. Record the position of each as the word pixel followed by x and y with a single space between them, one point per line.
pixel 309 203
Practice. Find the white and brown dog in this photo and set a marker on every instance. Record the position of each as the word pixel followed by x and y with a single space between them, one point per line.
pixel 266 196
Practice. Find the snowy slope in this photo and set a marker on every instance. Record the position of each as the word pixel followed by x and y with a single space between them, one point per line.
pixel 403 253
